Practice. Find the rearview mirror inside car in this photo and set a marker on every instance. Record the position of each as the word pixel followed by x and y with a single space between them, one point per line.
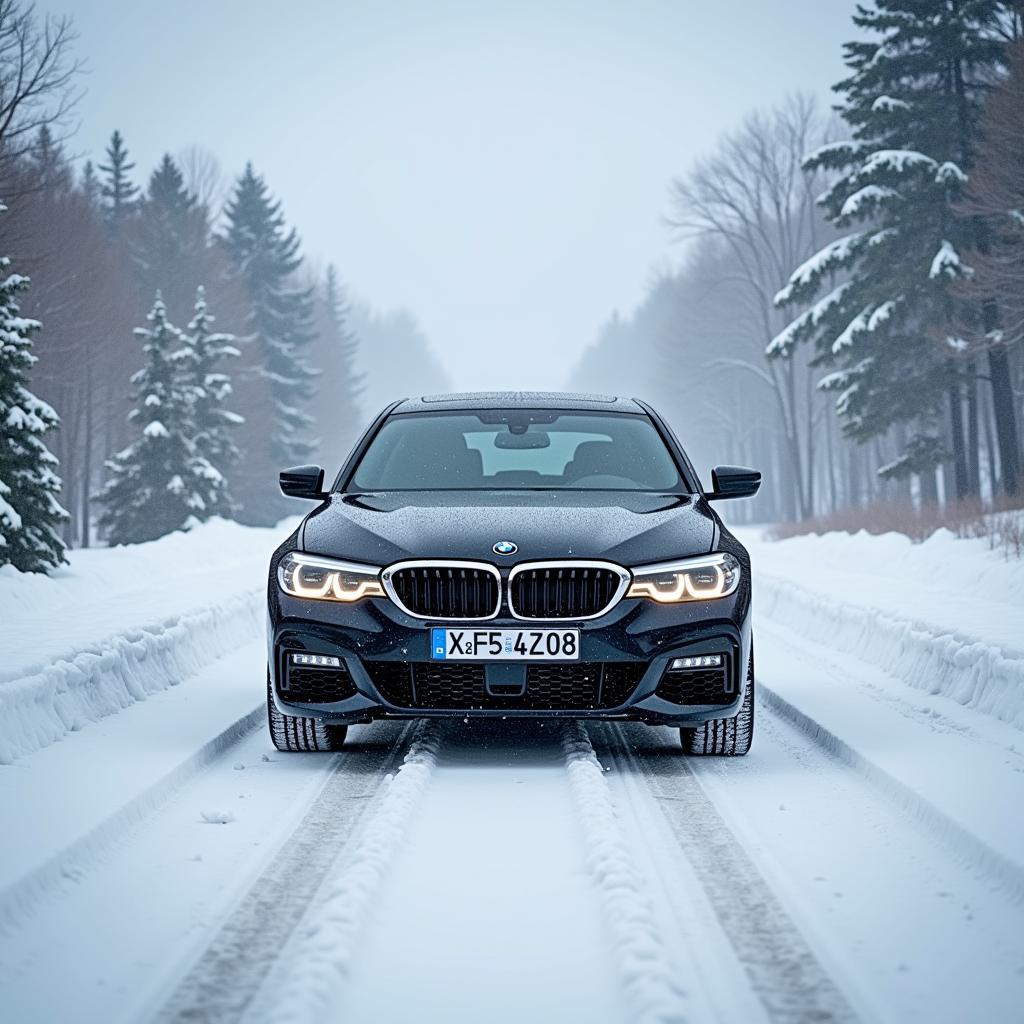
pixel 303 482
pixel 733 482
pixel 523 442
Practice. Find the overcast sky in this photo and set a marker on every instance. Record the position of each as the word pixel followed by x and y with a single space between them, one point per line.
pixel 499 168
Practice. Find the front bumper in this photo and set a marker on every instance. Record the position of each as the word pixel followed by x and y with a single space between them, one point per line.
pixel 640 634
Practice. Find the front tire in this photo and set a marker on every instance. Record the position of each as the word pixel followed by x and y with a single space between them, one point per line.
pixel 290 732
pixel 724 737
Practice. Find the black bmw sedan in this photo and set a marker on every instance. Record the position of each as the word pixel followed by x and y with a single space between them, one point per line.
pixel 513 554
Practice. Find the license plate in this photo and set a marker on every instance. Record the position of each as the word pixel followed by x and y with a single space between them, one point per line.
pixel 505 644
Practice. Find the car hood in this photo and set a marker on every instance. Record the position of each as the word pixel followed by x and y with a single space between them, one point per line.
pixel 627 528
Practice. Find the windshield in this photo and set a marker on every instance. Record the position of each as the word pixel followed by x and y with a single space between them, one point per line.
pixel 517 450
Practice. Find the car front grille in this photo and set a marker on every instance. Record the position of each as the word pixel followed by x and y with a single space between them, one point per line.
pixel 697 686
pixel 446 591
pixel 309 684
pixel 463 687
pixel 563 591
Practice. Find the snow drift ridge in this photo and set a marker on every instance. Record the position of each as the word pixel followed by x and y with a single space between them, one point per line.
pixel 38 709
pixel 975 674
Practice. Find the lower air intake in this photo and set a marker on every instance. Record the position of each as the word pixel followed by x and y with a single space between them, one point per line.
pixel 692 686
pixel 598 686
pixel 315 685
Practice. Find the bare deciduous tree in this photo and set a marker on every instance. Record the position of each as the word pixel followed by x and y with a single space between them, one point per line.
pixel 754 197
pixel 38 76
pixel 205 179
pixel 995 192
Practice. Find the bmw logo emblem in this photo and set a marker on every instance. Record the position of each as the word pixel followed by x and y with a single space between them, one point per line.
pixel 505 547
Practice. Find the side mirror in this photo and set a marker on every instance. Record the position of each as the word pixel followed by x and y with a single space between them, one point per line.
pixel 303 482
pixel 733 482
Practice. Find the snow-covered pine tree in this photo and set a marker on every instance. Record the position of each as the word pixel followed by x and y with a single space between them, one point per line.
pixel 339 346
pixel 120 193
pixel 89 183
pixel 51 170
pixel 278 330
pixel 30 512
pixel 886 320
pixel 159 482
pixel 199 371
pixel 169 238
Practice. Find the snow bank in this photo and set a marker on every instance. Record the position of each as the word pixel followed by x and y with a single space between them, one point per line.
pixel 119 624
pixel 653 994
pixel 972 673
pixel 943 616
pixel 886 570
pixel 38 709
pixel 104 590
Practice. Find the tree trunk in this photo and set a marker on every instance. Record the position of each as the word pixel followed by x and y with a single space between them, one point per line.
pixel 1006 419
pixel 786 490
pixel 830 459
pixel 902 485
pixel 68 451
pixel 793 442
pixel 929 489
pixel 956 432
pixel 973 444
pixel 809 495
pixel 990 450
pixel 69 495
pixel 86 528
pixel 883 489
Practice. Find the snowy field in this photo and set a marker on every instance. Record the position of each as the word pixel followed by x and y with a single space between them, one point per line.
pixel 160 861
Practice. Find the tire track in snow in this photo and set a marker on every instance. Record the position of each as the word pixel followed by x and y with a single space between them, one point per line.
pixel 788 978
pixel 970 849
pixel 717 983
pixel 307 981
pixel 223 981
pixel 651 991
pixel 22 898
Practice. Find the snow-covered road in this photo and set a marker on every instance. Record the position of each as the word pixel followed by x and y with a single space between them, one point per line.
pixel 865 862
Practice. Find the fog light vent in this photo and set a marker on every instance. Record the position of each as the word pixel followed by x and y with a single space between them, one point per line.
pixel 698 661
pixel 319 660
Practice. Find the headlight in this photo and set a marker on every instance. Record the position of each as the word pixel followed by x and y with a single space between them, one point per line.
pixel 695 579
pixel 324 579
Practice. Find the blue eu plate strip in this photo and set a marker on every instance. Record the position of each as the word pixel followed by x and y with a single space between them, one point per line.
pixel 438 644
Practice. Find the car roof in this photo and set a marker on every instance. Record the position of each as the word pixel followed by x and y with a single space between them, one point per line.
pixel 518 400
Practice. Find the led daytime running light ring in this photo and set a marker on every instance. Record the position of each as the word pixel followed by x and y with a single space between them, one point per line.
pixel 332 588
pixel 648 581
